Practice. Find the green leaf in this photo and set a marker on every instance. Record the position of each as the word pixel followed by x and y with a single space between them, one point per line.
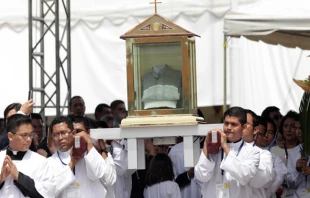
pixel 304 117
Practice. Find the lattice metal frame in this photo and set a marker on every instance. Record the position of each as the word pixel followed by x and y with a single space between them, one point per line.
pixel 49 23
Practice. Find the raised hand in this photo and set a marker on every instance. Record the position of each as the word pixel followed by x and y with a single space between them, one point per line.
pixel 224 142
pixel 26 108
pixel 87 139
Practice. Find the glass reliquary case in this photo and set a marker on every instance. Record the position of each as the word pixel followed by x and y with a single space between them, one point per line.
pixel 161 69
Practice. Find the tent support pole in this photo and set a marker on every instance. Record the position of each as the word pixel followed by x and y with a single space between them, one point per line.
pixel 225 75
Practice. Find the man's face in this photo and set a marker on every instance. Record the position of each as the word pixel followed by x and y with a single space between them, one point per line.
pixel 78 127
pixel 260 135
pixel 77 107
pixel 37 128
pixel 21 140
pixel 62 137
pixel 248 132
pixel 233 128
pixel 106 112
pixel 276 116
pixel 119 108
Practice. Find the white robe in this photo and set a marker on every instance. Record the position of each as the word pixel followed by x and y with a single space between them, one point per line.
pixel 91 172
pixel 36 167
pixel 280 170
pixel 238 171
pixel 176 155
pixel 281 153
pixel 264 175
pixel 295 179
pixel 123 185
pixel 166 189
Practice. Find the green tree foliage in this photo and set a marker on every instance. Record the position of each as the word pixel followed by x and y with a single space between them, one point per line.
pixel 304 118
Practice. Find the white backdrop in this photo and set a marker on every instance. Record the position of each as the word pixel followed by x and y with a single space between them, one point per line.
pixel 260 74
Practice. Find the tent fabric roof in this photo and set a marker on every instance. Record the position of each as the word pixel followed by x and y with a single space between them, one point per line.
pixel 285 22
pixel 14 13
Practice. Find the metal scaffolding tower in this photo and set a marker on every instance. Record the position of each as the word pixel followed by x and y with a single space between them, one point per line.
pixel 49 38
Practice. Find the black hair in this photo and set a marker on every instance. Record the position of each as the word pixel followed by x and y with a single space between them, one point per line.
pixel 270 120
pixel 160 170
pixel 74 97
pixel 100 108
pixel 290 114
pixel 237 112
pixel 61 119
pixel 115 103
pixel 268 110
pixel 36 116
pixel 12 106
pixel 15 121
pixel 262 121
pixel 101 124
pixel 81 120
pixel 255 118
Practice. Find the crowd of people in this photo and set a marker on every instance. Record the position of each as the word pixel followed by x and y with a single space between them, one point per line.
pixel 259 156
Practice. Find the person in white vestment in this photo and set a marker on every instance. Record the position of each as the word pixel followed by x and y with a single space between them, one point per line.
pixel 263 140
pixel 78 177
pixel 229 172
pixel 191 186
pixel 123 184
pixel 256 126
pixel 23 173
pixel 81 124
pixel 159 179
pixel 298 173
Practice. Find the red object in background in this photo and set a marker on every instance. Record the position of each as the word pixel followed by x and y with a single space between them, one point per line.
pixel 279 192
pixel 214 142
pixel 79 146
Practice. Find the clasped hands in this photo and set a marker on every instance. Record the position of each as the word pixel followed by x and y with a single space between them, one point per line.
pixel 8 168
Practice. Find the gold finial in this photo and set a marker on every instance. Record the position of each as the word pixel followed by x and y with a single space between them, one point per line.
pixel 155 3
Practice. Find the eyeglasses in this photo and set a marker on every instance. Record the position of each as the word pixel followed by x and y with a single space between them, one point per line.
pixel 277 117
pixel 63 134
pixel 25 136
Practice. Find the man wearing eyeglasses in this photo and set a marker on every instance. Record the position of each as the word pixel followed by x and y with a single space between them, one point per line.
pixel 76 177
pixel 23 173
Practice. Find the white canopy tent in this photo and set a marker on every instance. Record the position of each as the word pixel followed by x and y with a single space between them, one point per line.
pixel 278 22
pixel 284 22
pixel 98 54
pixel 99 62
